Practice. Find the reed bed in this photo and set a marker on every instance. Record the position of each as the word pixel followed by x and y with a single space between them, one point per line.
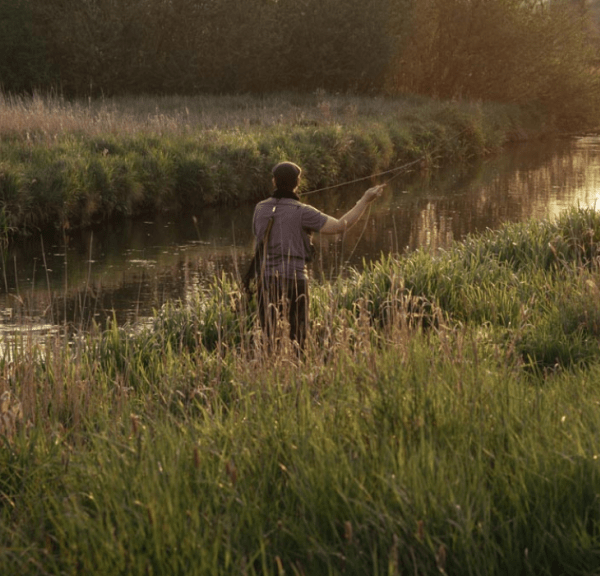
pixel 69 164
pixel 443 418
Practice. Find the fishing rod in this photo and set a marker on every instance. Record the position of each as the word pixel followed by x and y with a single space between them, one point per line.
pixel 398 169
pixel 377 175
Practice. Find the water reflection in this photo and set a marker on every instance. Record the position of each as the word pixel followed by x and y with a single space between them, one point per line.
pixel 128 268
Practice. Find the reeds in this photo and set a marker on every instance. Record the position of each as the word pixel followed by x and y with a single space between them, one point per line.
pixel 74 163
pixel 444 419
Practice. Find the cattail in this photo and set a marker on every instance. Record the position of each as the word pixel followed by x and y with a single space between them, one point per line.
pixel 65 460
pixel 231 471
pixel 348 531
pixel 420 530
pixel 440 559
pixel 394 556
pixel 150 516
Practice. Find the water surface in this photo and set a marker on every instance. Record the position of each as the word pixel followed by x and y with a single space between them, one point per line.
pixel 129 268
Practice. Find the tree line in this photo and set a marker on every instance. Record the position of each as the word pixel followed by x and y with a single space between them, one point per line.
pixel 504 50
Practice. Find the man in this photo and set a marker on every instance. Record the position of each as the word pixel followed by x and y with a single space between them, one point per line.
pixel 286 224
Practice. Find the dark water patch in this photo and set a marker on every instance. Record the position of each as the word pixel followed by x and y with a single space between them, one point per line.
pixel 128 268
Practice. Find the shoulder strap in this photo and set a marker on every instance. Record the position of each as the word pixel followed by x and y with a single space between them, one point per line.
pixel 258 261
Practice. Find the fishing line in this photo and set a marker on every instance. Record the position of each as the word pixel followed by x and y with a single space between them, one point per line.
pixel 361 234
pixel 398 169
pixel 371 205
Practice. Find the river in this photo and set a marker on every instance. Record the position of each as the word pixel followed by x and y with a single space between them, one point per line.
pixel 129 268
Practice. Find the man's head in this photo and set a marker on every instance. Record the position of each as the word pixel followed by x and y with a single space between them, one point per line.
pixel 286 175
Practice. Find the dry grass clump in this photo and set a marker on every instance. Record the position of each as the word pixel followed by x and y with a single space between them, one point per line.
pixel 11 414
pixel 53 117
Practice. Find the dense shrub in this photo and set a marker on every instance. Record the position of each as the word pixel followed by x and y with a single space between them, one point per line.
pixel 23 65
pixel 500 50
pixel 184 46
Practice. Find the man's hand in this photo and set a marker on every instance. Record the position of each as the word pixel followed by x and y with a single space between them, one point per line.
pixel 374 192
pixel 335 226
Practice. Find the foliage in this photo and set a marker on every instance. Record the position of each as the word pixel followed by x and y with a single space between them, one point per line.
pixel 502 50
pixel 466 445
pixel 23 65
pixel 185 46
pixel 75 163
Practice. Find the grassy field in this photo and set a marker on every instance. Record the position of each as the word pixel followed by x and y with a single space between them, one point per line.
pixel 444 419
pixel 69 164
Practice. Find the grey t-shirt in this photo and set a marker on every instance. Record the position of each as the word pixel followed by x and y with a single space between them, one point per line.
pixel 289 239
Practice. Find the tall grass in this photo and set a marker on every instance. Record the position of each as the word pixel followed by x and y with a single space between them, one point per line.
pixel 73 163
pixel 444 419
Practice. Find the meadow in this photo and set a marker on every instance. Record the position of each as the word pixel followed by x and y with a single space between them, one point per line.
pixel 442 419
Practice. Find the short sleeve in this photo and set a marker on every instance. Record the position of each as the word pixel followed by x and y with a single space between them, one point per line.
pixel 313 219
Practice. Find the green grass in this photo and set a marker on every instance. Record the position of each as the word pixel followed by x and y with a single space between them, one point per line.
pixel 75 163
pixel 444 420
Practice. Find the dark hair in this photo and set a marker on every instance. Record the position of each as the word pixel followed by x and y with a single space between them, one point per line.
pixel 286 175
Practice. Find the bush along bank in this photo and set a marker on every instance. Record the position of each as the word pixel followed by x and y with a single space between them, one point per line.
pixel 92 171
pixel 445 420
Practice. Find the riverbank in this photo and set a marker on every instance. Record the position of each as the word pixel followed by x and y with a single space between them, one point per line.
pixel 444 420
pixel 70 164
